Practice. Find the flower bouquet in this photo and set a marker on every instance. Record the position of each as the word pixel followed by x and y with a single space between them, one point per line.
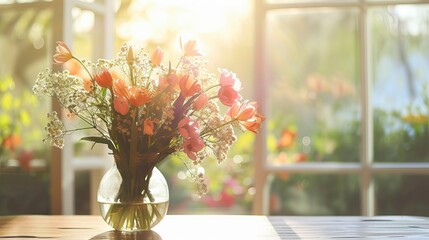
pixel 145 111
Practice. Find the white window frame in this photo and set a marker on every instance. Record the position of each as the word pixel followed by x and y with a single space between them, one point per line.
pixel 63 164
pixel 366 168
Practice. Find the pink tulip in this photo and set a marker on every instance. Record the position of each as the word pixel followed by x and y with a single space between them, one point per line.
pixel 188 128
pixel 168 80
pixel 121 105
pixel 228 95
pixel 228 78
pixel 193 145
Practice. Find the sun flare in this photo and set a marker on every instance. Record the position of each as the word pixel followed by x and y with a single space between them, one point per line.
pixel 156 20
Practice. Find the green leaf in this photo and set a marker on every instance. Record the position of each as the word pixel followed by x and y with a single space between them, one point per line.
pixel 101 140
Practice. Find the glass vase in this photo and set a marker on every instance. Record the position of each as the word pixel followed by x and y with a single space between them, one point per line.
pixel 136 213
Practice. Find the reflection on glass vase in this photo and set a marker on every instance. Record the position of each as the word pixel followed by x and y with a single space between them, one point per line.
pixel 125 211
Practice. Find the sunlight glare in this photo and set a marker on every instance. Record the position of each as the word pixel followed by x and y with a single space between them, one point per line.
pixel 170 17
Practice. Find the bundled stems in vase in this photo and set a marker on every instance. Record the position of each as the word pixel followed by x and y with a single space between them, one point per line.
pixel 145 111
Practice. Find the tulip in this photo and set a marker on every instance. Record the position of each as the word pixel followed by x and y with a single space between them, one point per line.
pixel 193 145
pixel 247 116
pixel 201 101
pixel 138 96
pixel 189 86
pixel 62 54
pixel 171 80
pixel 120 88
pixel 228 78
pixel 156 57
pixel 121 105
pixel 188 128
pixel 228 95
pixel 104 79
pixel 190 49
pixel 243 111
pixel 130 56
pixel 148 126
pixel 254 124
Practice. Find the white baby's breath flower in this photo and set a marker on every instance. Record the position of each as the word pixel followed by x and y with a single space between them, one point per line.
pixel 55 130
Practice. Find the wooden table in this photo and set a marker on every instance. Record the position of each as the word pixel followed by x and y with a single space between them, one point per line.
pixel 202 227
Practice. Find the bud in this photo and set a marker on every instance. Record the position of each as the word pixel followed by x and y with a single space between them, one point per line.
pixel 156 57
pixel 130 56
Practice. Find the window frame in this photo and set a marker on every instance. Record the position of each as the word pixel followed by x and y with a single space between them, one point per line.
pixel 63 163
pixel 366 168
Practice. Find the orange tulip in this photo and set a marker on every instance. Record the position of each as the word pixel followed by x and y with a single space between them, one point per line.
pixel 189 86
pixel 254 124
pixel 138 96
pixel 156 57
pixel 62 54
pixel 247 116
pixel 121 105
pixel 190 49
pixel 104 79
pixel 120 88
pixel 148 126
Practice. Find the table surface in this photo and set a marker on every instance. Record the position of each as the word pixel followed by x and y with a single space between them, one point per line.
pixel 201 227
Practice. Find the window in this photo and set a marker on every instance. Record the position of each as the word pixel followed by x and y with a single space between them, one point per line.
pixel 28 32
pixel 344 85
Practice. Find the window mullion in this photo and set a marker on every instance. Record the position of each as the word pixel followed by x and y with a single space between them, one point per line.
pixel 367 186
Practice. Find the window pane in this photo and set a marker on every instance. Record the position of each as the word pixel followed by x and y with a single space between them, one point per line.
pixel 399 47
pixel 314 194
pixel 313 94
pixel 24 158
pixel 402 195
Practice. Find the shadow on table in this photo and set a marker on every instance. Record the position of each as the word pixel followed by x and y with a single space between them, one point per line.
pixel 283 230
pixel 146 235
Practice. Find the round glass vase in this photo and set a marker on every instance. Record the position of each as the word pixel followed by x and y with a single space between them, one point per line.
pixel 140 214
